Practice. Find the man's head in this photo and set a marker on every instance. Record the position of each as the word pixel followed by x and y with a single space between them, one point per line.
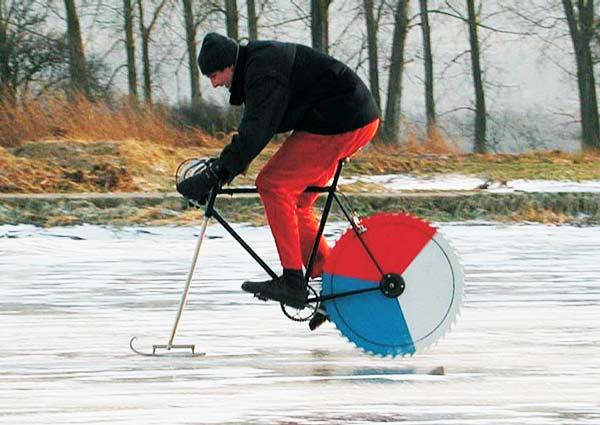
pixel 217 59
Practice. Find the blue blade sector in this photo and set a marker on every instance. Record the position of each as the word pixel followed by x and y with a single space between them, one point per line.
pixel 370 320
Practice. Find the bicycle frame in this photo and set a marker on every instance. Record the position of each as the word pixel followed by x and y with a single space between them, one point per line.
pixel 211 212
pixel 391 284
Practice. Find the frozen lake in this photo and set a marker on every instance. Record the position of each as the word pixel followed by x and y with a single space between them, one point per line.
pixel 525 350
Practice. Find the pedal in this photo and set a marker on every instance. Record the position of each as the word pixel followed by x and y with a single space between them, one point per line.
pixel 318 319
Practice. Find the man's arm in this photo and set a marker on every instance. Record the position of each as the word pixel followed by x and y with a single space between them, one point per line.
pixel 266 102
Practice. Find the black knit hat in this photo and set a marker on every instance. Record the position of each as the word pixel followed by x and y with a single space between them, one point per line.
pixel 217 53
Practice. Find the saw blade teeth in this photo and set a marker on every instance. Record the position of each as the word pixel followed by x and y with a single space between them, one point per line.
pixel 417 329
pixel 460 293
pixel 387 355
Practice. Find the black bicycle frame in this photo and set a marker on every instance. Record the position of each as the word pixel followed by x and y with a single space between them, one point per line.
pixel 211 212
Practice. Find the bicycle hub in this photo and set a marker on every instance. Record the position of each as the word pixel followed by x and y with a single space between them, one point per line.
pixel 392 285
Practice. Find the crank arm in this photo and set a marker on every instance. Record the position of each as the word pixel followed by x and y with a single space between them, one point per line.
pixel 342 294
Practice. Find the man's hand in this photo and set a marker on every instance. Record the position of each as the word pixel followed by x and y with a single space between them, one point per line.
pixel 199 186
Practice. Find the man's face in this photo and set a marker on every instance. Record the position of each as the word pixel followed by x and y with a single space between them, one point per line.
pixel 222 78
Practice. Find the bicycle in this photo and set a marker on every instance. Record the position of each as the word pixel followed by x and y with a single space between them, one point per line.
pixel 392 284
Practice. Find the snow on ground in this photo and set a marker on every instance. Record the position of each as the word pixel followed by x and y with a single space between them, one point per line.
pixel 453 182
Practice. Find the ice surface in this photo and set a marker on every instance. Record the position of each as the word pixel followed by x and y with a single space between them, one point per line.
pixel 524 351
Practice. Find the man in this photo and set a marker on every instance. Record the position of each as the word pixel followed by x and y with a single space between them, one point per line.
pixel 286 87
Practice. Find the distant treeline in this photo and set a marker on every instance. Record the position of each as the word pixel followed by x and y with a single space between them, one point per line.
pixel 42 50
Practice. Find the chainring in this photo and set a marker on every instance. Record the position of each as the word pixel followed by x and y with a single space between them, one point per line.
pixel 302 314
pixel 396 322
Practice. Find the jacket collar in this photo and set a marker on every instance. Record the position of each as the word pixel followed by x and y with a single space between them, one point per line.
pixel 238 95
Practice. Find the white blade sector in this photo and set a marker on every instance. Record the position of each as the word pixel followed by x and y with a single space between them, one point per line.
pixel 433 292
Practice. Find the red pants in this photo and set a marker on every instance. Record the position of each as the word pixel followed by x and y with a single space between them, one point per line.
pixel 304 159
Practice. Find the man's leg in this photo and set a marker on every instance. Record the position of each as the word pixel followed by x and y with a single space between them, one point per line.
pixel 345 145
pixel 281 183
pixel 308 223
pixel 303 160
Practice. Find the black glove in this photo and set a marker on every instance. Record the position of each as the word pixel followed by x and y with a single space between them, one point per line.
pixel 199 186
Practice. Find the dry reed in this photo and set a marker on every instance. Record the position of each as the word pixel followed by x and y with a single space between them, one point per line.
pixel 58 117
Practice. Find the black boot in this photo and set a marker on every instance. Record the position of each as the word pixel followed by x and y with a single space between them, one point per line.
pixel 289 289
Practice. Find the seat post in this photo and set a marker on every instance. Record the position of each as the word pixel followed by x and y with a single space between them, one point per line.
pixel 330 195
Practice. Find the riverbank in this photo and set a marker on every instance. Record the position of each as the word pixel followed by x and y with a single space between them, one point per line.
pixel 54 182
pixel 121 209
pixel 78 166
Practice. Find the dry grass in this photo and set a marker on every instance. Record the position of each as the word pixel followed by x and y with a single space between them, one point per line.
pixel 55 116
pixel 54 144
pixel 538 215
pixel 430 142
pixel 48 166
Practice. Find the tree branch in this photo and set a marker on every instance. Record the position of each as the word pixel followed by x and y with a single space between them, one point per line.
pixel 479 24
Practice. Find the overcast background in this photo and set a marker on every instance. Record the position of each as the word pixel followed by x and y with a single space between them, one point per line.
pixel 531 90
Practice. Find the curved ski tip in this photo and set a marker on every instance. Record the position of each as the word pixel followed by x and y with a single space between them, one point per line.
pixel 135 350
pixel 138 352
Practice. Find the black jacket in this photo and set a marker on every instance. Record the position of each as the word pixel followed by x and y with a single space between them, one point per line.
pixel 287 86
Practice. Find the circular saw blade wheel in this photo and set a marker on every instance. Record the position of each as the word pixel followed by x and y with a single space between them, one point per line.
pixel 403 245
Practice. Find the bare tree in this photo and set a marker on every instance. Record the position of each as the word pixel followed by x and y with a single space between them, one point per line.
pixel 252 20
pixel 130 49
pixel 319 24
pixel 190 39
pixel 77 62
pixel 545 22
pixel 480 145
pixel 145 33
pixel 391 124
pixel 428 63
pixel 232 19
pixel 5 86
pixel 30 56
pixel 581 29
pixel 372 48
